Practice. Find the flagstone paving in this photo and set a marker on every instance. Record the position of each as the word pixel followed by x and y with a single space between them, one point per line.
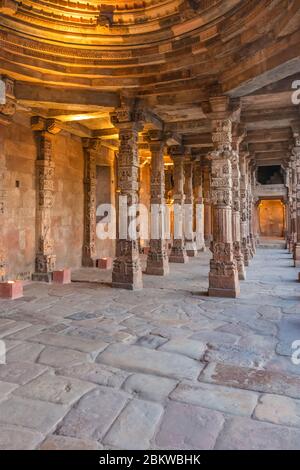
pixel 91 367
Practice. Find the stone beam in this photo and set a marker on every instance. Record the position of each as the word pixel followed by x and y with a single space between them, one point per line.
pixel 58 98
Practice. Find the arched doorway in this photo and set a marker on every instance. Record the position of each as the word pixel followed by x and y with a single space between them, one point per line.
pixel 271 215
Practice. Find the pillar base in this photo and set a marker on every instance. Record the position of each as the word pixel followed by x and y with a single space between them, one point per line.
pixel 223 285
pixel 192 253
pixel 11 290
pixel 297 255
pixel 153 270
pixel 242 272
pixel 127 276
pixel 179 257
pixel 42 277
pixel 228 293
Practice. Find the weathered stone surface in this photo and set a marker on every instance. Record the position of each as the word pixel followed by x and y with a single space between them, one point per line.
pixel 26 352
pixel 151 341
pixel 215 338
pixel 135 426
pixel 20 372
pixel 138 359
pixel 225 399
pixel 278 410
pixel 69 443
pixel 61 357
pixel 33 414
pixel 187 347
pixel 251 379
pixel 94 414
pixel 97 373
pixel 55 389
pixel 149 387
pixel 79 344
pixel 189 427
pixel 18 438
pixel 12 327
pixel 248 434
pixel 6 389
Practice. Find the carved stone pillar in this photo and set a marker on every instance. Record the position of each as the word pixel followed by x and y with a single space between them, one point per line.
pixel 199 206
pixel 45 167
pixel 7 110
pixel 190 239
pixel 178 252
pixel 91 150
pixel 127 272
pixel 206 173
pixel 2 210
pixel 252 209
pixel 296 154
pixel 157 260
pixel 244 209
pixel 236 217
pixel 223 276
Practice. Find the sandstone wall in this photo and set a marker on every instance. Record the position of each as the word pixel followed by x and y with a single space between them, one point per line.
pixel 18 231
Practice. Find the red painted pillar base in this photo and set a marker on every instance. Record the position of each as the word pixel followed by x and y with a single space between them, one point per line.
pixel 11 290
pixel 62 276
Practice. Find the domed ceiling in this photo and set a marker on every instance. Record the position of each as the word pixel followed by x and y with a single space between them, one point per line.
pixel 167 53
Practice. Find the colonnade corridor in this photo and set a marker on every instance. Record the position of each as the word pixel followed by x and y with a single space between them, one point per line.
pixel 166 367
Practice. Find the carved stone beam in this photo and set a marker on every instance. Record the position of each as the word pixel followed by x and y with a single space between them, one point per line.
pixel 7 100
pixel 8 7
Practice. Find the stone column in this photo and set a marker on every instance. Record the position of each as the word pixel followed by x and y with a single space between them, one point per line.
pixel 45 258
pixel 189 235
pixel 223 276
pixel 199 206
pixel 252 209
pixel 91 150
pixel 178 252
pixel 206 172
pixel 127 272
pixel 236 217
pixel 244 209
pixel 249 206
pixel 296 154
pixel 2 209
pixel 157 260
pixel 7 110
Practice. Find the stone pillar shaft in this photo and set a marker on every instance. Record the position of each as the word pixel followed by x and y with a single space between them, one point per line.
pixel 157 259
pixel 223 276
pixel 296 155
pixel 91 149
pixel 45 168
pixel 127 272
pixel 207 202
pixel 244 210
pixel 178 252
pixel 236 217
pixel 189 235
pixel 199 206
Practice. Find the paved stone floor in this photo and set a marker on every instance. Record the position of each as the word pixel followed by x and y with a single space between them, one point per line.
pixel 89 367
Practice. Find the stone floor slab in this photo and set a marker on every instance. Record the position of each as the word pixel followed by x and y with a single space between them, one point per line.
pixel 20 372
pixel 149 387
pixel 138 359
pixel 55 389
pixel 266 381
pixel 94 414
pixel 18 438
pixel 224 399
pixel 188 427
pixel 248 434
pixel 277 409
pixel 33 414
pixel 61 357
pixel 69 443
pixel 135 426
pixel 96 373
